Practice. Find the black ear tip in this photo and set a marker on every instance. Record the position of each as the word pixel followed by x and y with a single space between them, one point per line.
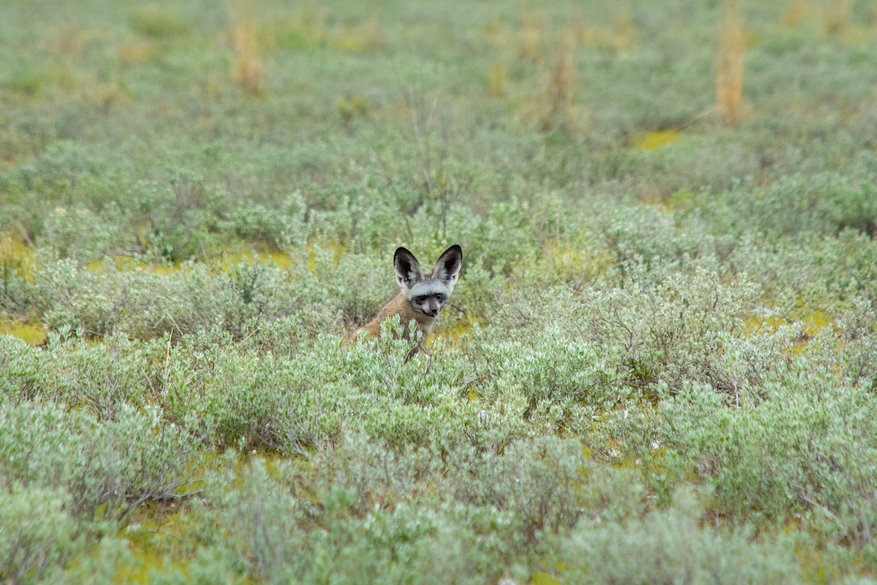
pixel 404 258
pixel 456 250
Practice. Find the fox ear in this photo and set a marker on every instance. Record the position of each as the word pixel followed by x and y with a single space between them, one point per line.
pixel 447 267
pixel 407 267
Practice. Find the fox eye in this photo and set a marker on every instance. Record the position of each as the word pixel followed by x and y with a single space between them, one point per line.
pixel 419 299
pixel 440 298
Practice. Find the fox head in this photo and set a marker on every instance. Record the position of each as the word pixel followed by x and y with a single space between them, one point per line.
pixel 427 293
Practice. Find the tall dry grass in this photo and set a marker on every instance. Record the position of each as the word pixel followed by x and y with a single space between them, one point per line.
pixel 795 14
pixel 563 73
pixel 836 17
pixel 248 71
pixel 729 67
pixel 497 77
pixel 531 39
pixel 560 85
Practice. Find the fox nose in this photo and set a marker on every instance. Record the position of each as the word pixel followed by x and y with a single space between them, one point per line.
pixel 433 308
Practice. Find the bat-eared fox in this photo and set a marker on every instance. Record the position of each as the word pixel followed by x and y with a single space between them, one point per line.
pixel 422 295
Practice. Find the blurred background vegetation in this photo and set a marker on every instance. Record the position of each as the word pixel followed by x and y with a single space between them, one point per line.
pixel 659 366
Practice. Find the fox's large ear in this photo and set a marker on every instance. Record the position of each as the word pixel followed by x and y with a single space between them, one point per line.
pixel 447 268
pixel 407 267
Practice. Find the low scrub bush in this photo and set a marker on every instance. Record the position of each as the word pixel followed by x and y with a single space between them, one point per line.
pixel 672 546
pixel 797 447
pixel 38 534
pixel 107 469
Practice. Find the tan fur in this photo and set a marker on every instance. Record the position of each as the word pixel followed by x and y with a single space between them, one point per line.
pixel 399 306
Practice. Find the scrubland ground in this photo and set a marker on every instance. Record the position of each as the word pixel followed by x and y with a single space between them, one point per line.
pixel 660 364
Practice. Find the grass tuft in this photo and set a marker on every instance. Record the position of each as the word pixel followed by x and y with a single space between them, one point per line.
pixel 531 40
pixel 795 15
pixel 729 67
pixel 624 33
pixel 497 77
pixel 26 81
pixel 138 53
pixel 108 95
pixel 563 74
pixel 367 37
pixel 247 70
pixel 15 259
pixel 353 107
pixel 157 24
pixel 494 33
pixel 560 85
pixel 836 17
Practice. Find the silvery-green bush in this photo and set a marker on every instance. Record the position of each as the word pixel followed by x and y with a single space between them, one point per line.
pixel 37 533
pixel 105 468
pixel 672 546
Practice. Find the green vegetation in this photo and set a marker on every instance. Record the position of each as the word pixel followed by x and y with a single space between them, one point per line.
pixel 659 365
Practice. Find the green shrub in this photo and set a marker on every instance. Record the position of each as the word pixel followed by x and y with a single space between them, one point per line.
pixel 788 450
pixel 107 469
pixel 283 537
pixel 38 534
pixel 671 546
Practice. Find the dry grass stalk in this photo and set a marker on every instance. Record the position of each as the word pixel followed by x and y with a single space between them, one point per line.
pixel 494 33
pixel 248 70
pixel 729 67
pixel 837 17
pixel 108 95
pixel 66 42
pixel 796 14
pixel 580 31
pixel 497 77
pixel 134 53
pixel 559 90
pixel 563 74
pixel 531 40
pixel 623 32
